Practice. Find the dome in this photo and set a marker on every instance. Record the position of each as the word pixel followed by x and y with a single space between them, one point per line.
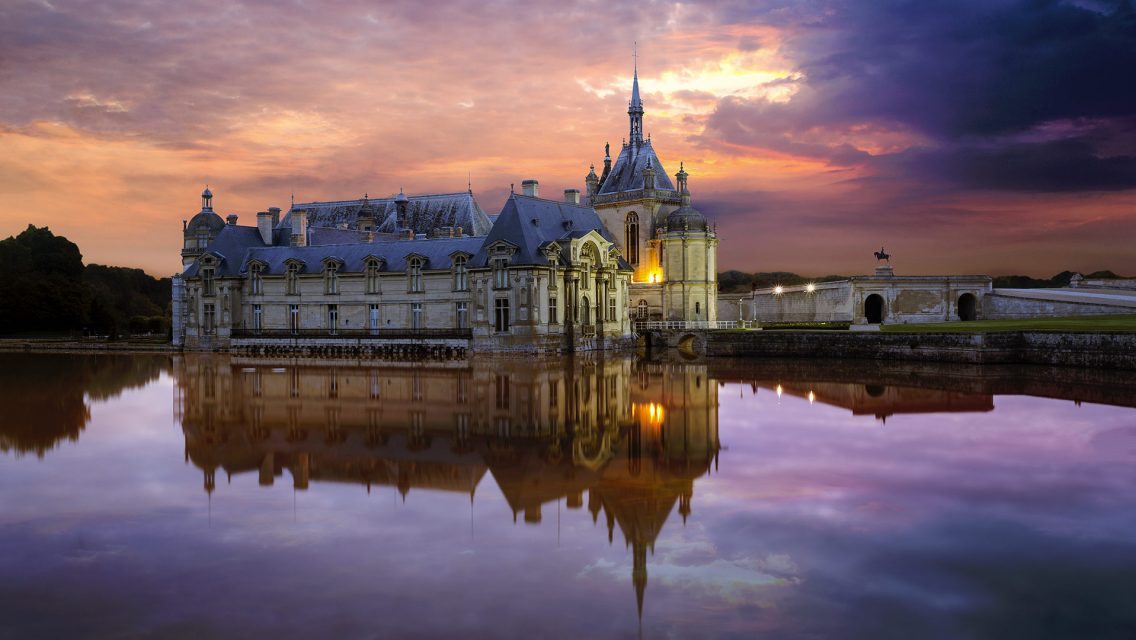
pixel 207 193
pixel 205 220
pixel 686 218
pixel 401 197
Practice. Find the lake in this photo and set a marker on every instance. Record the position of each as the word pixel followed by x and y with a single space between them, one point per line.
pixel 208 496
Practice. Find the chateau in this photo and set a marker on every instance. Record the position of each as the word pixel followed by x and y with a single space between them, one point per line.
pixel 543 275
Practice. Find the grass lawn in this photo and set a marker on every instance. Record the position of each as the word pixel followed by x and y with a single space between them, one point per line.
pixel 1099 323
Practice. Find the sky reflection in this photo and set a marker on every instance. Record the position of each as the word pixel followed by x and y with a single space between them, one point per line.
pixel 810 521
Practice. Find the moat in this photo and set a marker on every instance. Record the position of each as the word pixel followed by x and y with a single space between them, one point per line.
pixel 215 496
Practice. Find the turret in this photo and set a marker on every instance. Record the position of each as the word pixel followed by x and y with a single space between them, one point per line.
pixel 635 110
pixel 592 182
pixel 200 231
pixel 400 203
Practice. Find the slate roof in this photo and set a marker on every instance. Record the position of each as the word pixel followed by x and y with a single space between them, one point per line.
pixel 530 223
pixel 395 253
pixel 627 172
pixel 231 244
pixel 425 213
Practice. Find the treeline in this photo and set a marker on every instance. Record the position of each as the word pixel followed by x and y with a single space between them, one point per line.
pixel 46 289
pixel 740 281
pixel 1060 280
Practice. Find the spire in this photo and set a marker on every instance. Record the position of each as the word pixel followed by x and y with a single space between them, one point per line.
pixel 635 109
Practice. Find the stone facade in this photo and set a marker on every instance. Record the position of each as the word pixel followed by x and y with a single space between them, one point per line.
pixel 883 298
pixel 547 277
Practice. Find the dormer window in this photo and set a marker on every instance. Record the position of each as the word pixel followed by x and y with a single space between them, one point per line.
pixel 292 279
pixel 461 273
pixel 256 278
pixel 331 278
pixel 207 286
pixel 414 275
pixel 371 274
pixel 501 273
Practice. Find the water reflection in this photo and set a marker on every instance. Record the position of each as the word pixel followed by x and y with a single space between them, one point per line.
pixel 48 394
pixel 634 436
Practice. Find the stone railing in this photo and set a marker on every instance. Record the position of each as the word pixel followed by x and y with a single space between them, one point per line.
pixel 682 325
pixel 369 334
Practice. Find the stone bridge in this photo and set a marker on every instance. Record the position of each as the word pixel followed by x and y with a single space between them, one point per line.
pixel 687 337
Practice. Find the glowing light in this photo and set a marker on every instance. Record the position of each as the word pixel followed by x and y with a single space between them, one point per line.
pixel 810 287
pixel 651 412
pixel 778 290
pixel 779 391
pixel 812 397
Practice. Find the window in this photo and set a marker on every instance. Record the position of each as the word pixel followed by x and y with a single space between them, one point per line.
pixel 553 394
pixel 294 318
pixel 501 274
pixel 292 279
pixel 697 308
pixel 611 309
pixel 207 288
pixel 501 388
pixel 553 313
pixel 372 275
pixel 461 273
pixel 332 318
pixel 631 238
pixel 463 315
pixel 641 310
pixel 331 278
pixel 210 323
pixel 463 390
pixel 416 315
pixel 373 317
pixel 501 314
pixel 376 385
pixel 257 321
pixel 414 275
pixel 256 281
pixel 587 306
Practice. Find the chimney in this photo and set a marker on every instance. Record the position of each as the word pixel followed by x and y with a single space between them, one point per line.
pixel 530 188
pixel 457 232
pixel 264 226
pixel 275 211
pixel 300 228
pixel 231 219
pixel 572 195
pixel 406 234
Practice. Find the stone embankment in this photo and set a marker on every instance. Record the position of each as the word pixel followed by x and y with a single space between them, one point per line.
pixel 1107 350
pixel 84 346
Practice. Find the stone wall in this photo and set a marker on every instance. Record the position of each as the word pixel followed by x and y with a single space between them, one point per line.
pixel 1016 307
pixel 1105 349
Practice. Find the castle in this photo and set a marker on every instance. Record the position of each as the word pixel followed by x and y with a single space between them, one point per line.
pixel 435 272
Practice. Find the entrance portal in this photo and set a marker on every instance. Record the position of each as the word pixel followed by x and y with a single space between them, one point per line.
pixel 967 307
pixel 874 308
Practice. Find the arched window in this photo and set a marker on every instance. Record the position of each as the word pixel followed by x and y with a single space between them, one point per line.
pixel 372 275
pixel 461 273
pixel 631 238
pixel 641 310
pixel 414 274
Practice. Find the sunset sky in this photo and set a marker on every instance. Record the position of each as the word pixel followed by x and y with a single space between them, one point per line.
pixel 971 136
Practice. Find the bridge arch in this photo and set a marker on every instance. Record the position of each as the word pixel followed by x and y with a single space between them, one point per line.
pixel 967 307
pixel 874 308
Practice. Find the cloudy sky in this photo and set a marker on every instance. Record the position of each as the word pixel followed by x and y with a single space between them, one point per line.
pixel 975 136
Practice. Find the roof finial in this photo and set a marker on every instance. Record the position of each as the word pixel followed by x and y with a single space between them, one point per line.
pixel 469 181
pixel 635 56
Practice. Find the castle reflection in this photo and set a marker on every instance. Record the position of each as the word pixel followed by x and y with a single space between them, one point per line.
pixel 633 435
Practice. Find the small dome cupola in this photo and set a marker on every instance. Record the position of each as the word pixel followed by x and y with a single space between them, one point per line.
pixel 207 199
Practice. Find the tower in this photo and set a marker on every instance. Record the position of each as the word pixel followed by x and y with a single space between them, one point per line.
pixel 675 261
pixel 200 230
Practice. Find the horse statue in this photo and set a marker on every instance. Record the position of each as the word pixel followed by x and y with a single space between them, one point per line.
pixel 880 255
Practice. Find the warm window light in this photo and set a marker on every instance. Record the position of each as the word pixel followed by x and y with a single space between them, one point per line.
pixel 812 397
pixel 778 290
pixel 779 392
